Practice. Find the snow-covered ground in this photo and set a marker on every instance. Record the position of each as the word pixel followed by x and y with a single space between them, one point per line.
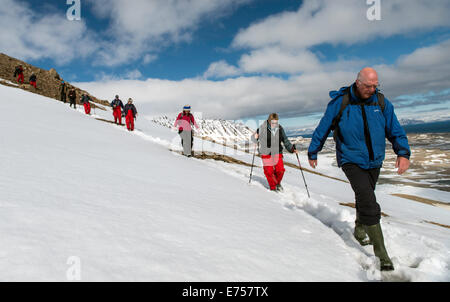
pixel 123 207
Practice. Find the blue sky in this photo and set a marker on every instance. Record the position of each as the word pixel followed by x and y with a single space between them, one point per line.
pixel 210 41
pixel 240 59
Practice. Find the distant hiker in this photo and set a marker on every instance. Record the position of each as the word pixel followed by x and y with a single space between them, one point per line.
pixel 270 136
pixel 33 81
pixel 130 114
pixel 73 98
pixel 117 106
pixel 361 119
pixel 85 100
pixel 63 90
pixel 19 74
pixel 184 121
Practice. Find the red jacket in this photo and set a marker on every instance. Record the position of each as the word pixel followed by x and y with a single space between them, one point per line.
pixel 185 121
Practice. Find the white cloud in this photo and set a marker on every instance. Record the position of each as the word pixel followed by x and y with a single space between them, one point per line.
pixel 148 58
pixel 133 74
pixel 334 22
pixel 426 69
pixel 28 35
pixel 282 43
pixel 297 95
pixel 138 30
pixel 140 26
pixel 266 61
pixel 231 98
pixel 276 60
pixel 221 69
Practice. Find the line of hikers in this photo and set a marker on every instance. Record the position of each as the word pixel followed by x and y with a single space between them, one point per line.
pixel 85 99
pixel 361 119
pixel 128 111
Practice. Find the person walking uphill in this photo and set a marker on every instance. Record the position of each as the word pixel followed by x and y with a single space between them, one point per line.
pixel 270 136
pixel 361 119
pixel 184 121
pixel 117 106
pixel 130 114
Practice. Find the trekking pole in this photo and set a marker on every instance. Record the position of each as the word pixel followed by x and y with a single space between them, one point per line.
pixel 253 161
pixel 306 186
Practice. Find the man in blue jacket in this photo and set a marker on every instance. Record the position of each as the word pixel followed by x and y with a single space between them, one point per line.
pixel 361 120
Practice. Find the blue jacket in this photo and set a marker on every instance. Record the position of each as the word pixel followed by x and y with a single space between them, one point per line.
pixel 353 144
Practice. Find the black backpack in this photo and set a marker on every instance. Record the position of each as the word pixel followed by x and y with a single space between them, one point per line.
pixel 345 102
pixel 17 71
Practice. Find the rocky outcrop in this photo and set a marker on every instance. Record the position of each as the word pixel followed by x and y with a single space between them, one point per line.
pixel 48 81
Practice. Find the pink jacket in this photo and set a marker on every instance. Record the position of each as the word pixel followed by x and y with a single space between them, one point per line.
pixel 184 122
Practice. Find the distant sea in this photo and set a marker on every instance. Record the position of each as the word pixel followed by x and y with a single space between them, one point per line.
pixel 434 127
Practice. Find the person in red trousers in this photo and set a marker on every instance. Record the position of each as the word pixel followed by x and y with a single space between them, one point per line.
pixel 117 106
pixel 19 73
pixel 33 81
pixel 270 136
pixel 130 114
pixel 85 100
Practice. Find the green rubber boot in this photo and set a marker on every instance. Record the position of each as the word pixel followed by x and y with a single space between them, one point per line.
pixel 360 233
pixel 376 236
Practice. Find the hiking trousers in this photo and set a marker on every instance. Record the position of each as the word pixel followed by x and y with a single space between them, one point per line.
pixel 73 102
pixel 87 108
pixel 187 141
pixel 129 120
pixel 363 183
pixel 273 169
pixel 117 113
pixel 20 78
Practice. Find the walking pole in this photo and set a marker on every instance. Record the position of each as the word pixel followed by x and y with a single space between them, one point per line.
pixel 306 186
pixel 253 161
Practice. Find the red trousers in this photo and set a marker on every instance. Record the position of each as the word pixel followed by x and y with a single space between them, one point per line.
pixel 20 78
pixel 87 108
pixel 129 120
pixel 33 84
pixel 117 115
pixel 273 169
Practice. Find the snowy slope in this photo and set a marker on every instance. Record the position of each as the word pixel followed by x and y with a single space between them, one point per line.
pixel 130 209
